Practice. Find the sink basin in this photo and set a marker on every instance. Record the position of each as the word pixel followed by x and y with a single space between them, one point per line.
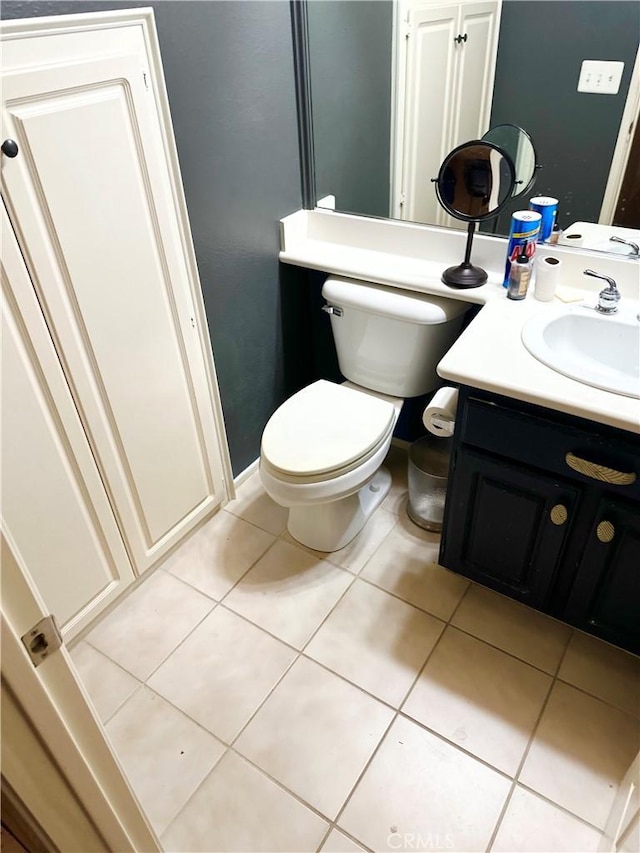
pixel 600 351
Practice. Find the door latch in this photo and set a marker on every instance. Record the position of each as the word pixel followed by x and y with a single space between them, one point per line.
pixel 42 640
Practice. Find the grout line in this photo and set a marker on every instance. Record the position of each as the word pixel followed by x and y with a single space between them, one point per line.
pixel 561 808
pixel 459 604
pixel 384 736
pixel 512 655
pixel 456 746
pixel 525 754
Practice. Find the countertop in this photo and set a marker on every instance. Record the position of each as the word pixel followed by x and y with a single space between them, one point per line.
pixel 490 355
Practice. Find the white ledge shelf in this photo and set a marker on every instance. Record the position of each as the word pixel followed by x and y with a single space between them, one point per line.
pixel 413 257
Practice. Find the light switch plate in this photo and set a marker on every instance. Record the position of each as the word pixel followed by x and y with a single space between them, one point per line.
pixel 600 77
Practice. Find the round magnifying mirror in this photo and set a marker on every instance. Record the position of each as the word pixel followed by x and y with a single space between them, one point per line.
pixel 474 183
pixel 517 143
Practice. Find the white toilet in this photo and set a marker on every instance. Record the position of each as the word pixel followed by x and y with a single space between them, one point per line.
pixel 322 450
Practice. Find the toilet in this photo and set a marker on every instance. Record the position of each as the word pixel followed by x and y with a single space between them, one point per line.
pixel 322 450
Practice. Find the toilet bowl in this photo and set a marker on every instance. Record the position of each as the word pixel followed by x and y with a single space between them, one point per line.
pixel 321 457
pixel 322 450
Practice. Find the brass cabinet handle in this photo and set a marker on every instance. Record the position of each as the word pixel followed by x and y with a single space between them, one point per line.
pixel 605 531
pixel 558 514
pixel 599 472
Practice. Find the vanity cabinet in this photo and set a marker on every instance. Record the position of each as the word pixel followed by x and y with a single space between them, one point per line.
pixel 102 260
pixel 545 508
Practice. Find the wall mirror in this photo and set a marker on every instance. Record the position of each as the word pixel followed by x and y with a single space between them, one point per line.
pixel 389 87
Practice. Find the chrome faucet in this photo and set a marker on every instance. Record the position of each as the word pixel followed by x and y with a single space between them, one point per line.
pixel 635 249
pixel 609 297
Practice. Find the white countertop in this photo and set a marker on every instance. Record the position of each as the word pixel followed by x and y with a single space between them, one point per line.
pixel 489 354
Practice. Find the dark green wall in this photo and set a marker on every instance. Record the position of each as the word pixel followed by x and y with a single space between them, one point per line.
pixel 574 132
pixel 229 73
pixel 350 57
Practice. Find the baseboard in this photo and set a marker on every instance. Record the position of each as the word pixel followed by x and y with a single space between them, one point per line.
pixel 244 475
pixel 401 443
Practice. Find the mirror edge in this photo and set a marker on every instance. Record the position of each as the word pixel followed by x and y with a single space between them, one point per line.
pixel 302 82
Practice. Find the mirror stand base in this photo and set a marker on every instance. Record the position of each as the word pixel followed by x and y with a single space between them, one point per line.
pixel 465 275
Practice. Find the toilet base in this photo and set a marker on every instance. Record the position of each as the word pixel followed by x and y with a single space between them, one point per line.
pixel 330 526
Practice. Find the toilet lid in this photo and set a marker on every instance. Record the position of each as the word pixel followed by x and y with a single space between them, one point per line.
pixel 325 427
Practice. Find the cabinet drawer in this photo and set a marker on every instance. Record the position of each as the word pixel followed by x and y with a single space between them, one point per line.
pixel 577 454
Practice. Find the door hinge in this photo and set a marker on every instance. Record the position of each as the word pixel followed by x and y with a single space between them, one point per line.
pixel 406 29
pixel 42 640
pixel 403 200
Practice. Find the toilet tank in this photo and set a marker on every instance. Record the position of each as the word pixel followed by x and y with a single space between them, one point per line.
pixel 390 340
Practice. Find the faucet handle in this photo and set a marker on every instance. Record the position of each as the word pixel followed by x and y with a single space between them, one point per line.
pixel 609 297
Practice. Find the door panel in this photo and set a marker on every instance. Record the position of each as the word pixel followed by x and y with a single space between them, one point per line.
pixel 97 215
pixel 499 527
pixel 605 598
pixel 53 501
pixel 429 100
pixel 474 84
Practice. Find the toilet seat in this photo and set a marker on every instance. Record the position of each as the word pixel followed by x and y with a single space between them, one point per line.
pixel 324 431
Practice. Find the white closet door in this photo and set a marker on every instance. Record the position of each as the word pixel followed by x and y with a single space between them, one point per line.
pixel 90 197
pixel 53 502
pixel 476 70
pixel 429 105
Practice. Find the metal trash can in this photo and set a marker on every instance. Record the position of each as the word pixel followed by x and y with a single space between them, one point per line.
pixel 428 476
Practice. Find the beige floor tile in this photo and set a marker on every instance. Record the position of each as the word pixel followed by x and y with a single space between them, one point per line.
pixel 531 825
pixel 513 627
pixel 217 555
pixel 314 734
pixel 376 641
pixel 581 751
pixel 108 684
pixel 337 842
pixel 406 565
pixel 355 555
pixel 165 755
pixel 222 672
pixel 603 671
pixel 238 810
pixel 420 790
pixel 289 592
pixel 253 504
pixel 149 624
pixel 481 699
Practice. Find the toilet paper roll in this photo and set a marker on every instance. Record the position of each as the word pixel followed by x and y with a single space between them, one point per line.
pixel 547 277
pixel 440 415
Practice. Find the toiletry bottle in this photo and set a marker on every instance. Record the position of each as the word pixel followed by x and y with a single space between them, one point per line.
pixel 519 275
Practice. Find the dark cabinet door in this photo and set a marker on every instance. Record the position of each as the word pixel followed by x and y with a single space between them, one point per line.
pixel 605 597
pixel 506 527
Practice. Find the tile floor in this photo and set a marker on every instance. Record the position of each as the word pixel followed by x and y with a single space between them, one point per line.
pixel 265 697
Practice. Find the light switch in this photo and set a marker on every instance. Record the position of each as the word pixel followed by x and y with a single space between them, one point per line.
pixel 600 77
